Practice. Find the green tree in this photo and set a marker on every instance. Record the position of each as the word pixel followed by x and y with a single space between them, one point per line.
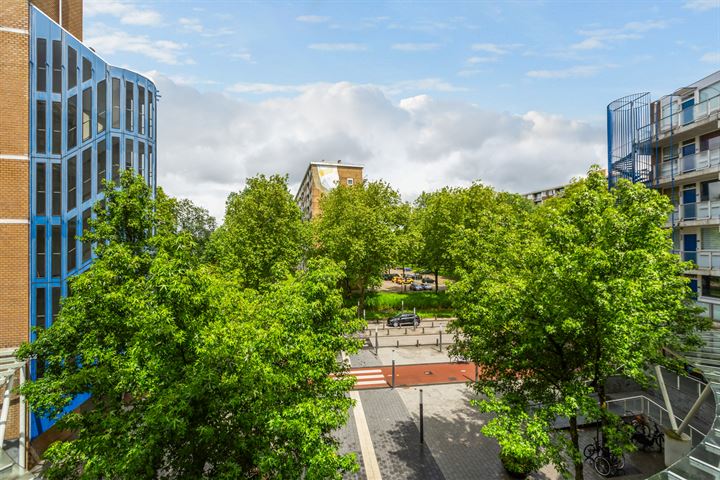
pixel 263 238
pixel 195 220
pixel 359 226
pixel 554 300
pixel 190 375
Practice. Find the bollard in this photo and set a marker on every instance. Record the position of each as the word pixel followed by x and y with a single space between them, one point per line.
pixel 432 324
pixel 424 333
pixel 417 342
pixel 393 374
pixel 422 431
pixel 397 343
pixel 441 339
pixel 376 343
pixel 405 330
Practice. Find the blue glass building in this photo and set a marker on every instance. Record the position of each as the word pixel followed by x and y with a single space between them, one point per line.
pixel 89 121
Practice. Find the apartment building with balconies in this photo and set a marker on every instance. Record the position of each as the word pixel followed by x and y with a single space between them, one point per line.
pixel 673 144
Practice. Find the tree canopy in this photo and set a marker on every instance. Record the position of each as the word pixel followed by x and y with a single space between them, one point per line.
pixel 195 220
pixel 191 374
pixel 359 226
pixel 554 300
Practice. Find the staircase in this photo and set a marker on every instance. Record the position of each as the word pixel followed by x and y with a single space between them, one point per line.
pixel 703 462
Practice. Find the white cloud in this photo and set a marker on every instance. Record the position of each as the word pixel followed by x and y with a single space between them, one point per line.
pixel 416 47
pixel 711 57
pixel 417 143
pixel 495 48
pixel 701 5
pixel 127 12
pixel 572 72
pixel 392 89
pixel 191 25
pixel 476 60
pixel 604 37
pixel 106 41
pixel 312 19
pixel 338 47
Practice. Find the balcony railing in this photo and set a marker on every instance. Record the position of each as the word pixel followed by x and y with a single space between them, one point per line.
pixel 708 259
pixel 691 163
pixel 687 116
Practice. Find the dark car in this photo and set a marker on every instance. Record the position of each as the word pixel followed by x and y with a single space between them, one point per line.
pixel 404 319
pixel 417 287
pixel 387 276
pixel 428 280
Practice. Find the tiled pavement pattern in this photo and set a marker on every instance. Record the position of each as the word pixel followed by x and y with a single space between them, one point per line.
pixel 350 443
pixel 454 447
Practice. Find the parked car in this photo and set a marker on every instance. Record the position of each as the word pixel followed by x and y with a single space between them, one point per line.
pixel 427 286
pixel 416 276
pixel 387 276
pixel 417 287
pixel 404 319
pixel 402 280
pixel 428 280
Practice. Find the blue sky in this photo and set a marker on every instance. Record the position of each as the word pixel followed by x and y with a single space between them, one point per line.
pixel 423 93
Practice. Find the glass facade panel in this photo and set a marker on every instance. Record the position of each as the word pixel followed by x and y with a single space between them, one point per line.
pixel 710 141
pixel 39 322
pixel 57 128
pixel 101 106
pixel 129 105
pixel 711 286
pixel 86 245
pixel 72 245
pixel 72 68
pixel 40 189
pixel 129 154
pixel 72 122
pixel 150 165
pixel 40 126
pixel 55 239
pixel 56 189
pixel 87 70
pixel 40 251
pixel 151 114
pixel 101 165
pixel 87 174
pixel 57 66
pixel 141 158
pixel 115 159
pixel 141 110
pixel 87 114
pixel 41 64
pixel 71 185
pixel 115 103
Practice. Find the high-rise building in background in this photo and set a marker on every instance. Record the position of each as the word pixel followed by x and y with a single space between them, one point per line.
pixel 673 144
pixel 68 121
pixel 320 178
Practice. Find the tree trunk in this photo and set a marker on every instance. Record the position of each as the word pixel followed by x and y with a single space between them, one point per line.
pixel 577 460
pixel 437 285
pixel 361 302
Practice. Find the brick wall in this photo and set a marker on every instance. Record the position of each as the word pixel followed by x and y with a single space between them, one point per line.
pixel 14 182
pixel 72 13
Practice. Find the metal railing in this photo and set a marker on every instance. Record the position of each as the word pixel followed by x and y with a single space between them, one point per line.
pixel 653 410
pixel 690 163
pixel 708 259
pixel 686 116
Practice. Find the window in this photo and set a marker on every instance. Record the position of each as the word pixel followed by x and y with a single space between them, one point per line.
pixel 40 190
pixel 115 103
pixel 670 153
pixel 57 67
pixel 87 175
pixel 710 238
pixel 129 154
pixel 57 128
pixel 87 113
pixel 56 189
pixel 710 141
pixel 55 304
pixel 71 188
pixel 72 122
pixel 101 106
pixel 72 245
pixel 710 91
pixel 39 323
pixel 55 240
pixel 86 245
pixel 41 64
pixel 101 167
pixel 711 286
pixel 72 68
pixel 141 158
pixel 151 179
pixel 40 126
pixel 151 114
pixel 141 110
pixel 87 70
pixel 710 191
pixel 129 105
pixel 115 159
pixel 40 251
pixel 350 181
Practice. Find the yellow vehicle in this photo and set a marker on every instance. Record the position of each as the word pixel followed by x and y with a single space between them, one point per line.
pixel 402 280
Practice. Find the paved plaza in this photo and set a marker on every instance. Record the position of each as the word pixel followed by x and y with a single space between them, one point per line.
pixel 454 447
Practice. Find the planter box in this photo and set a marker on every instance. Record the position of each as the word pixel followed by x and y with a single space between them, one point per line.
pixel 676 448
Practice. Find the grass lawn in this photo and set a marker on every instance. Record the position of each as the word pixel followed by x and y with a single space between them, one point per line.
pixel 381 305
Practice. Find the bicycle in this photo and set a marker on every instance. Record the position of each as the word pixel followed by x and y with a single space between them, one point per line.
pixel 607 463
pixel 643 439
